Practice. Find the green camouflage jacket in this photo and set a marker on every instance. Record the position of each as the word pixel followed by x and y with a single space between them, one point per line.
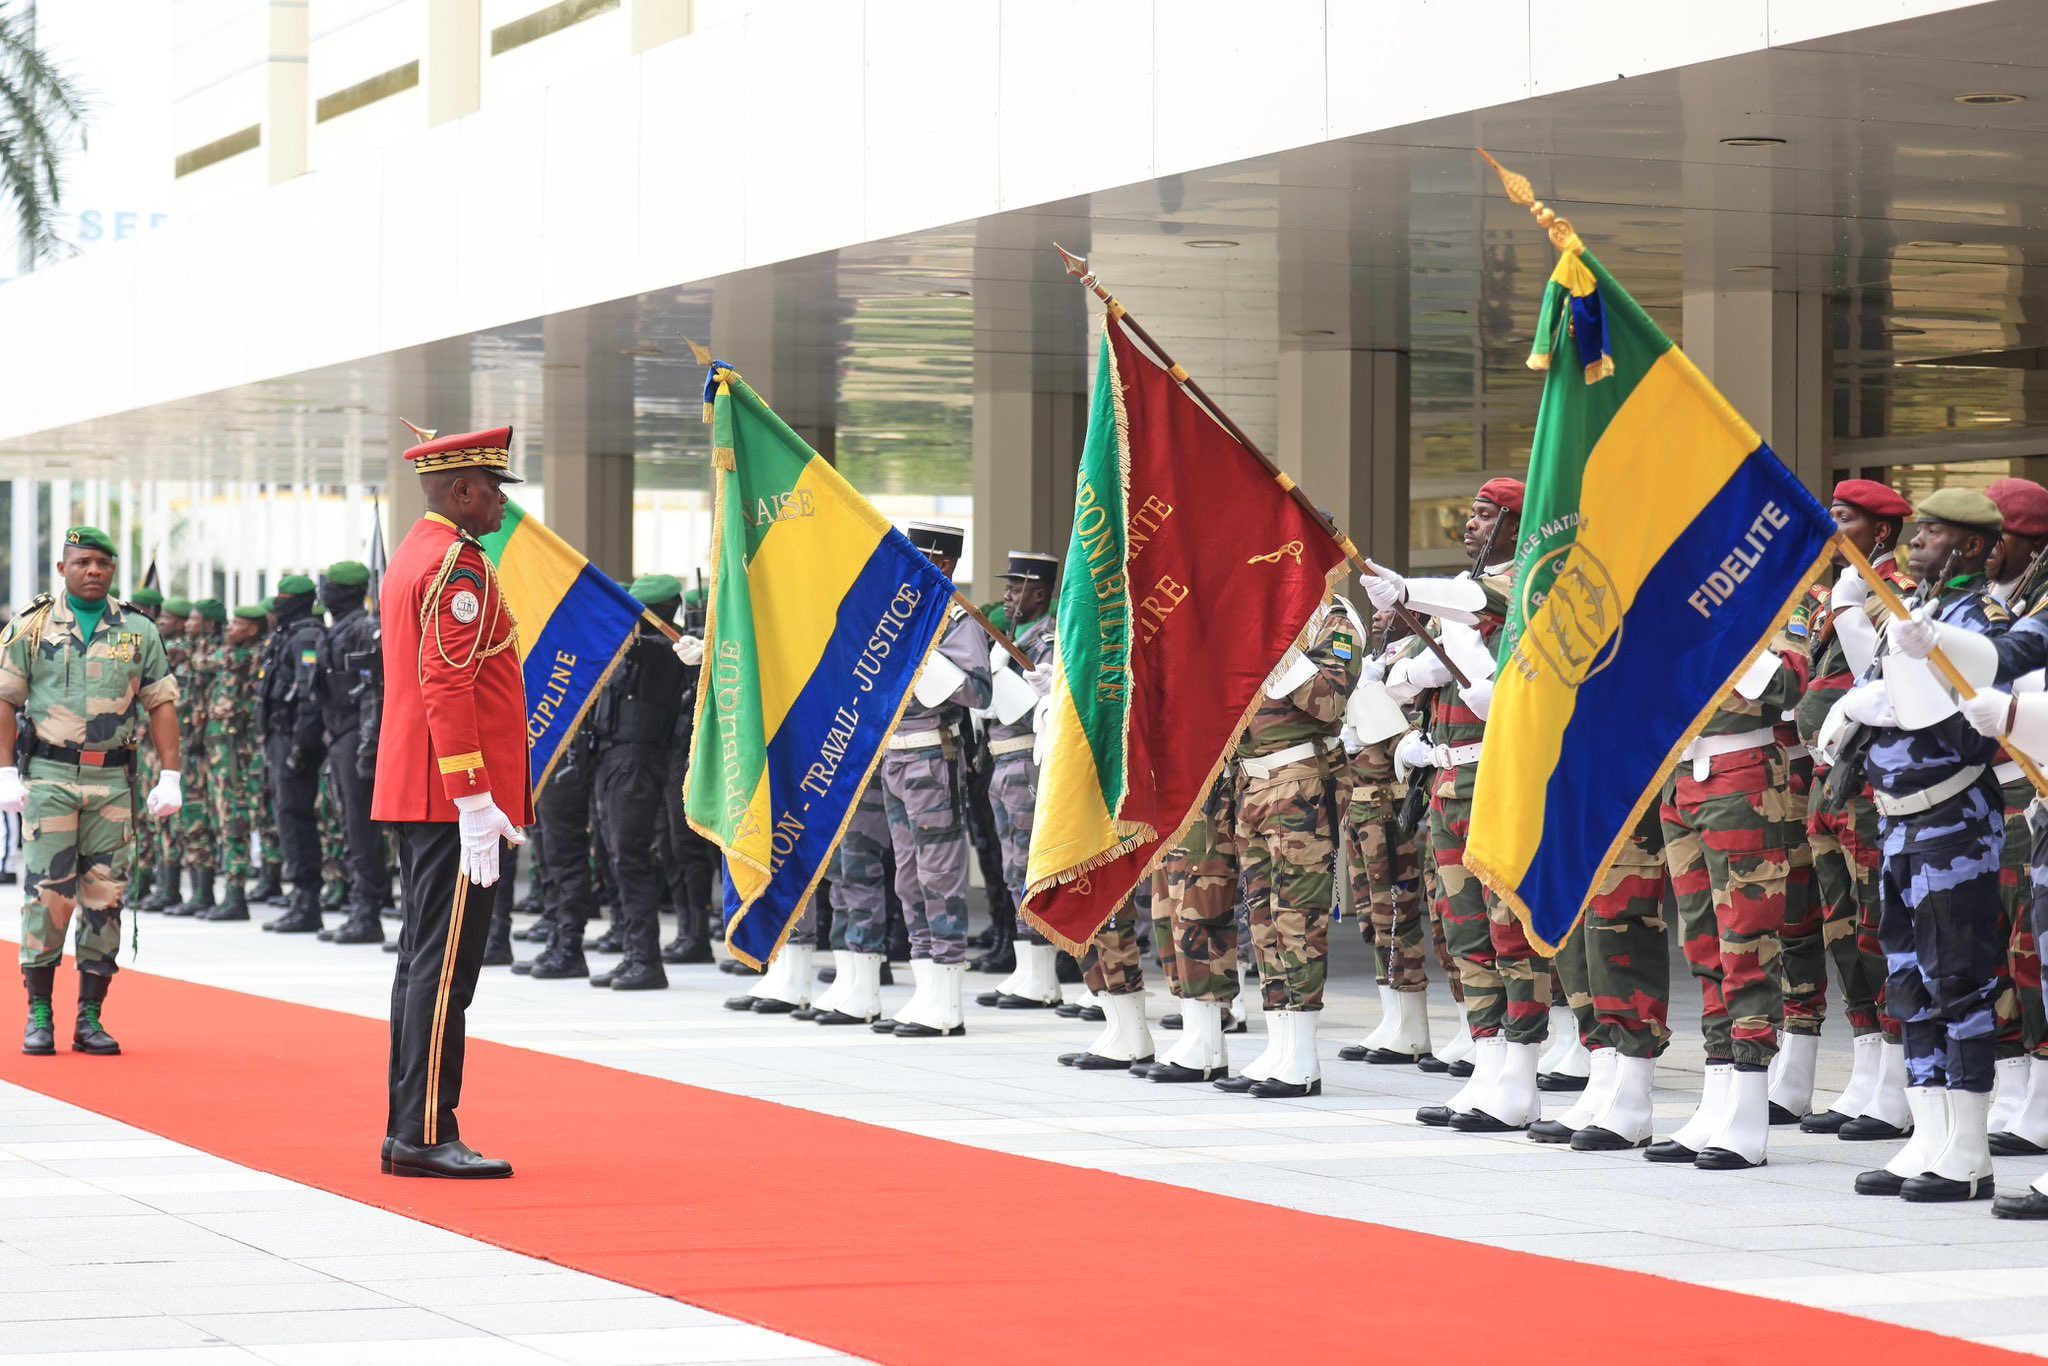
pixel 89 697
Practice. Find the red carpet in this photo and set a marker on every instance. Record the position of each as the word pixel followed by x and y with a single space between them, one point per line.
pixel 881 1243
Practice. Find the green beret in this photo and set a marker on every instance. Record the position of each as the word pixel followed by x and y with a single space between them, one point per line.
pixel 213 609
pixel 178 607
pixel 349 573
pixel 146 597
pixel 269 605
pixel 251 611
pixel 694 596
pixel 650 589
pixel 294 586
pixel 92 538
pixel 1962 507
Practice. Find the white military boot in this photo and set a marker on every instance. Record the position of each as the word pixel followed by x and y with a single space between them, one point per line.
pixel 1035 985
pixel 937 1015
pixel 1460 1048
pixel 1512 1101
pixel 1694 1134
pixel 1299 1071
pixel 1628 1116
pixel 2026 1133
pixel 1930 1134
pixel 786 985
pixel 1886 1115
pixel 1791 1089
pixel 1566 1064
pixel 1962 1169
pixel 1125 1038
pixel 1738 1142
pixel 1487 1057
pixel 1262 1067
pixel 1201 1054
pixel 1866 1058
pixel 857 990
pixel 1376 1037
pixel 827 1001
pixel 2008 1092
pixel 1408 1041
pixel 1599 1086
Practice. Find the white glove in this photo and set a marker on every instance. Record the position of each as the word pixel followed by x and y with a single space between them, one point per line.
pixel 1415 751
pixel 1915 636
pixel 481 826
pixel 1040 679
pixel 1989 711
pixel 167 796
pixel 1870 704
pixel 1427 671
pixel 690 649
pixel 1849 591
pixel 1349 737
pixel 1386 588
pixel 1371 671
pixel 13 792
pixel 1479 697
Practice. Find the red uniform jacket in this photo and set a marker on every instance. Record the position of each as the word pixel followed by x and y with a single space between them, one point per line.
pixel 454 695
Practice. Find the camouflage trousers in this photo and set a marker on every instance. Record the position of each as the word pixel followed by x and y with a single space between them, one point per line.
pixel 1161 912
pixel 1802 939
pixel 1506 982
pixel 333 838
pixel 1114 966
pixel 1287 848
pixel 1615 971
pixel 1197 891
pixel 1724 844
pixel 860 907
pixel 196 838
pixel 2021 1026
pixel 1386 887
pixel 1845 860
pixel 77 831
pixel 1013 795
pixel 1942 928
pixel 241 802
pixel 924 794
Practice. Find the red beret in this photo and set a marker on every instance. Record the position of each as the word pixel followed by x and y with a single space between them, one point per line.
pixel 1879 500
pixel 2024 505
pixel 1503 492
pixel 491 450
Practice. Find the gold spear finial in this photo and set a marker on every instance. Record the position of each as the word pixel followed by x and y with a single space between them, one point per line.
pixel 702 353
pixel 422 434
pixel 1562 235
pixel 1077 266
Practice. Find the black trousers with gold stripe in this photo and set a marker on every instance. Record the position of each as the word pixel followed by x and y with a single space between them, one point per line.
pixel 440 953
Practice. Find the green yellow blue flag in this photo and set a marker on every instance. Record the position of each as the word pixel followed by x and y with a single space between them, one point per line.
pixel 574 626
pixel 1662 543
pixel 820 615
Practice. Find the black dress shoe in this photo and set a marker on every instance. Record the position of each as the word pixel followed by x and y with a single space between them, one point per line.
pixel 883 1025
pixel 838 1017
pixel 1170 1021
pixel 1173 1074
pixel 1869 1129
pixel 1558 1081
pixel 1142 1068
pixel 1672 1151
pixel 1781 1115
pixel 987 998
pixel 1725 1160
pixel 454 1159
pixel 740 1002
pixel 1352 1052
pixel 632 976
pixel 1594 1139
pixel 1879 1182
pixel 1272 1089
pixel 1392 1057
pixel 1067 1010
pixel 1237 1086
pixel 805 1013
pixel 2012 1145
pixel 1432 1064
pixel 1005 1001
pixel 1479 1122
pixel 1436 1116
pixel 907 1030
pixel 1550 1131
pixel 765 1006
pixel 2028 1204
pixel 1095 1062
pixel 1823 1122
pixel 1929 1188
pixel 1092 1014
pixel 1069 1059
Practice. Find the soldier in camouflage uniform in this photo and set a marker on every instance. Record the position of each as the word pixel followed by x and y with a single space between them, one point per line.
pixel 235 783
pixel 1840 639
pixel 198 837
pixel 1288 765
pixel 860 921
pixel 1506 983
pixel 1196 884
pixel 1114 970
pixel 1941 822
pixel 160 838
pixel 148 854
pixel 81 678
pixel 923 795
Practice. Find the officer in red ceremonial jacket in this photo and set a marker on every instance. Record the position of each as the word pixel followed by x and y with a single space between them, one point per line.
pixel 452 783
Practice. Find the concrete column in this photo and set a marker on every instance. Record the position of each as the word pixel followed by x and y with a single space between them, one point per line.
pixel 587 448
pixel 453 70
pixel 1344 438
pixel 1031 354
pixel 779 326
pixel 1770 354
pixel 429 385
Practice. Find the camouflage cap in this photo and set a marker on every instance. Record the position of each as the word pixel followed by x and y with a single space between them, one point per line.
pixel 1961 507
pixel 349 573
pixel 649 589
pixel 250 611
pixel 213 609
pixel 146 597
pixel 178 607
pixel 91 538
pixel 294 585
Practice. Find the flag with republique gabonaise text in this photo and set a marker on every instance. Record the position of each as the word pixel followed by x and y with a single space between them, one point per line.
pixel 821 613
pixel 1189 572
pixel 1662 544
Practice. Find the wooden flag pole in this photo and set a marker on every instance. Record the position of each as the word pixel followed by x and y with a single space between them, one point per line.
pixel 1943 665
pixel 1077 266
pixel 981 619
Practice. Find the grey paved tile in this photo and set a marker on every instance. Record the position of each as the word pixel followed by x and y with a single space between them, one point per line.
pixel 327 1325
pixel 582 1316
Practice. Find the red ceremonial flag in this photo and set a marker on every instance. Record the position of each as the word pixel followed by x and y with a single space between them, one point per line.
pixel 1192 569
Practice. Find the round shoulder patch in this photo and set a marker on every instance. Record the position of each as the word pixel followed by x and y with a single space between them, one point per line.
pixel 464 606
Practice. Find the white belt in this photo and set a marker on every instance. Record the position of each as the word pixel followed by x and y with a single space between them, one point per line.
pixel 1016 744
pixel 1927 798
pixel 1266 765
pixel 1797 751
pixel 920 739
pixel 1456 756
pixel 2008 773
pixel 1703 750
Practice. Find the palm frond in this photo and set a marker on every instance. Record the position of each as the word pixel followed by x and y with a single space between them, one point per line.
pixel 43 113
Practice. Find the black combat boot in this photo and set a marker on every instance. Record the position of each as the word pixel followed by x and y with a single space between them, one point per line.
pixel 498 943
pixel 1002 950
pixel 608 942
pixel 304 915
pixel 363 926
pixel 87 1036
pixel 39 1038
pixel 202 895
pixel 635 975
pixel 562 958
pixel 269 884
pixel 166 892
pixel 233 906
pixel 681 950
